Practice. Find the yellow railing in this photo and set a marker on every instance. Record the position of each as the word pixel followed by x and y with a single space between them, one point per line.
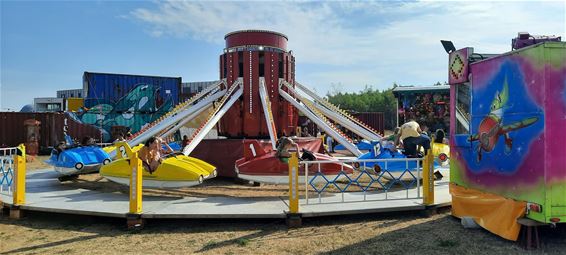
pixel 294 183
pixel 428 178
pixel 20 176
pixel 136 185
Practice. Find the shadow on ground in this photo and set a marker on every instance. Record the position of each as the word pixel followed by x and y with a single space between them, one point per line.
pixel 445 235
pixel 390 233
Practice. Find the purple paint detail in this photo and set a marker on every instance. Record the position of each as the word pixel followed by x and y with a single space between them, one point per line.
pixel 544 159
pixel 555 112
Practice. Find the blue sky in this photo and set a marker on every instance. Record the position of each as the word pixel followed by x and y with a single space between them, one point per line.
pixel 47 45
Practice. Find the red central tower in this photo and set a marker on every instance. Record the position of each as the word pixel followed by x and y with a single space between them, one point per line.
pixel 250 54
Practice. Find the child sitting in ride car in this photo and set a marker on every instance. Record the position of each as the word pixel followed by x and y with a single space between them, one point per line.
pixel 151 153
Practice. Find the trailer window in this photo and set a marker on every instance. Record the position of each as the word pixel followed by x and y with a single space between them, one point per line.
pixel 463 101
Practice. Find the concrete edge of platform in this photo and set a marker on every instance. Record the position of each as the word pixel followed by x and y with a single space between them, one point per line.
pixel 440 205
pixel 70 211
pixel 282 215
pixel 213 216
pixel 306 214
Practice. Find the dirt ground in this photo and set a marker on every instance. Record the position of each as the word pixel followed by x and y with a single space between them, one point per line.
pixel 397 233
pixel 369 234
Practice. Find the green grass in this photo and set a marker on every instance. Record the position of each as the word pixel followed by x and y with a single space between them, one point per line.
pixel 210 244
pixel 242 241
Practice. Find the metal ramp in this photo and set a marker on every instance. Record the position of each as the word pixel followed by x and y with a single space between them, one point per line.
pixel 340 116
pixel 214 94
pixel 183 112
pixel 266 103
pixel 319 120
pixel 226 102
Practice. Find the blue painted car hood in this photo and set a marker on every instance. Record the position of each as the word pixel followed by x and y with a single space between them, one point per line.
pixel 87 155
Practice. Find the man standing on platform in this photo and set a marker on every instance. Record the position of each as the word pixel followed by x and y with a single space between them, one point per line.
pixel 411 135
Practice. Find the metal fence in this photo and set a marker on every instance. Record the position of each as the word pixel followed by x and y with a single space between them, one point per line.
pixel 361 180
pixel 7 168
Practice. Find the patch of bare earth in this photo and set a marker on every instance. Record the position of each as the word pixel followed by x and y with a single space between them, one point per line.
pixel 363 234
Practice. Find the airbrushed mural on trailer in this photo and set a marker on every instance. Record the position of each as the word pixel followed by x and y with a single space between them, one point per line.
pixel 515 144
pixel 491 127
pixel 142 105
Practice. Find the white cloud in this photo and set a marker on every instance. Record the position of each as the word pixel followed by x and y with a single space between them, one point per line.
pixel 371 43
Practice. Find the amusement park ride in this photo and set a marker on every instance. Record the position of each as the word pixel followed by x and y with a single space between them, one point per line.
pixel 506 137
pixel 258 97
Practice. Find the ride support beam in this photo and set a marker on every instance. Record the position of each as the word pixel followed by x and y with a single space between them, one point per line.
pixel 174 118
pixel 267 112
pixel 350 125
pixel 215 118
pixel 320 123
pixel 366 132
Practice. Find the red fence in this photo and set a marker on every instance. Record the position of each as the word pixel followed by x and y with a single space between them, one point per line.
pixel 372 119
pixel 51 130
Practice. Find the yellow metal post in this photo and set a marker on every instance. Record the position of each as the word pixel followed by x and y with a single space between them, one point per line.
pixel 136 185
pixel 294 183
pixel 428 179
pixel 20 176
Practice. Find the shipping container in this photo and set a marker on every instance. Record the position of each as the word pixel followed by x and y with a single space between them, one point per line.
pixel 74 104
pixel 53 127
pixel 127 100
pixel 113 88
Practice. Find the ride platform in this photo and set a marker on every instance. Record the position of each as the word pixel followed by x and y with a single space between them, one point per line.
pixel 44 193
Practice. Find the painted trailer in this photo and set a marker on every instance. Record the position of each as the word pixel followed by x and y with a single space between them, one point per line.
pixel 508 113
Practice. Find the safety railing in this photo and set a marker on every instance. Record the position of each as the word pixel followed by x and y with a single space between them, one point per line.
pixel 13 173
pixel 362 180
pixel 357 180
pixel 7 168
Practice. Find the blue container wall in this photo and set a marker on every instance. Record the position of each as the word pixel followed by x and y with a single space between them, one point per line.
pixel 127 100
pixel 110 88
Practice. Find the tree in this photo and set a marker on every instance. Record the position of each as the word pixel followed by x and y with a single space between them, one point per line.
pixel 369 100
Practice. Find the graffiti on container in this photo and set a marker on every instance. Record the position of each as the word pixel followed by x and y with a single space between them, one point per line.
pixel 142 105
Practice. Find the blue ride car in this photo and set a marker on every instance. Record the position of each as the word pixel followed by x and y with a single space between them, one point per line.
pixel 174 145
pixel 387 151
pixel 78 160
